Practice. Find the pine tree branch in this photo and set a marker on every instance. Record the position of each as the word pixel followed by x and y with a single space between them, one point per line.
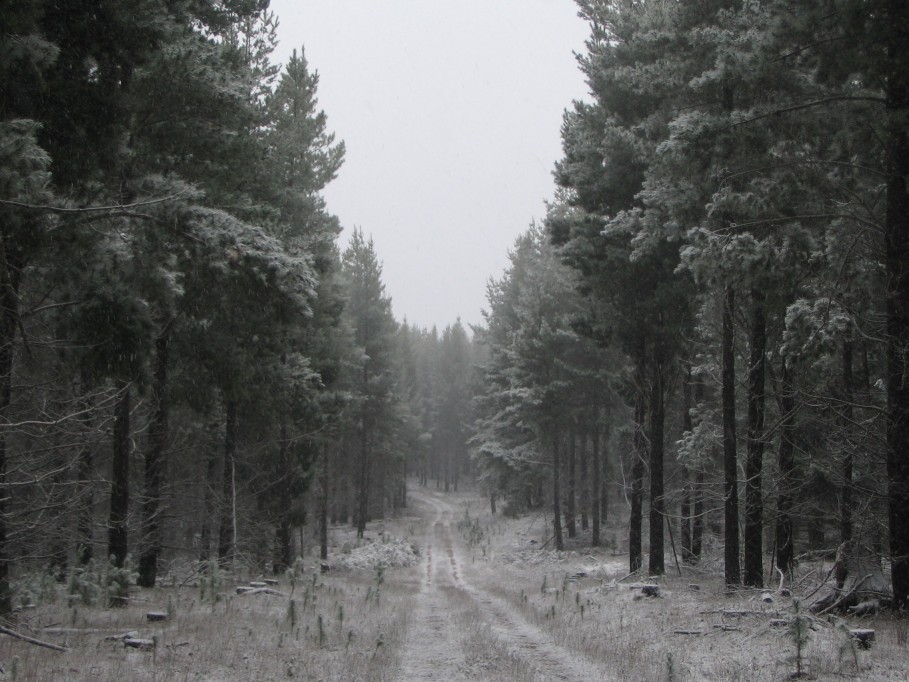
pixel 90 209
pixel 808 105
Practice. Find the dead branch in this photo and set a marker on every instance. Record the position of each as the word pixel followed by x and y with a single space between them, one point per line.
pixel 845 596
pixel 32 640
pixel 823 582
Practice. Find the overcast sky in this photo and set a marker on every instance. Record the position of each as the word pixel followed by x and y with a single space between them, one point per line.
pixel 450 110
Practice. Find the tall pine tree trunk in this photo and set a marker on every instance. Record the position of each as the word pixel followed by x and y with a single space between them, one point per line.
pixel 117 541
pixel 10 279
pixel 363 480
pixel 639 446
pixel 85 521
pixel 556 491
pixel 697 523
pixel 732 572
pixel 595 500
pixel 154 465
pixel 657 563
pixel 226 529
pixel 584 491
pixel 208 496
pixel 687 427
pixel 570 510
pixel 324 488
pixel 896 238
pixel 754 500
pixel 284 535
pixel 785 549
pixel 846 493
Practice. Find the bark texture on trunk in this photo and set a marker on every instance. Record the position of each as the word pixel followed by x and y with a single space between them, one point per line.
pixel 732 569
pixel 785 550
pixel 570 511
pixel 657 562
pixel 595 500
pixel 896 239
pixel 635 550
pixel 846 494
pixel 556 492
pixel 226 528
pixel 154 466
pixel 10 280
pixel 686 511
pixel 117 532
pixel 754 499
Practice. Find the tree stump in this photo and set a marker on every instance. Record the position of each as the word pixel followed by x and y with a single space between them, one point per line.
pixel 650 590
pixel 864 637
pixel 140 644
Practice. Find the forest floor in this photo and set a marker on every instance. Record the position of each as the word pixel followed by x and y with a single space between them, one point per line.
pixel 446 591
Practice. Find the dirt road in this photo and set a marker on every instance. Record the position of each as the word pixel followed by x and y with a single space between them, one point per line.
pixel 461 632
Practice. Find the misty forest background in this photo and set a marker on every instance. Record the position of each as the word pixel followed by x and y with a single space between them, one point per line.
pixel 707 335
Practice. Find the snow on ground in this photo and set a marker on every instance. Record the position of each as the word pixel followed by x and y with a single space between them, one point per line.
pixel 384 552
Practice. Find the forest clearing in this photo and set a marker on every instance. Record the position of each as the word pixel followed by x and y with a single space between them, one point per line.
pixel 483 599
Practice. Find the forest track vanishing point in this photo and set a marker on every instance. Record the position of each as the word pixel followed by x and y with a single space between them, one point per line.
pixel 450 610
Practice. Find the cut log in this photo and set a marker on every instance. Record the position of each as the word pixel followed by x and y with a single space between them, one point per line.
pixel 650 590
pixel 140 644
pixel 258 583
pixel 132 634
pixel 156 616
pixel 767 598
pixel 242 589
pixel 864 637
pixel 270 581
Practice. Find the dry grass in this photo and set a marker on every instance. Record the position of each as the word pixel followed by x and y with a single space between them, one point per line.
pixel 341 628
pixel 609 621
pixel 254 637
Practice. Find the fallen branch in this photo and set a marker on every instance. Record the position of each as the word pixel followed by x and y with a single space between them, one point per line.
pixel 630 575
pixel 51 630
pixel 261 590
pixel 845 596
pixel 818 588
pixel 32 640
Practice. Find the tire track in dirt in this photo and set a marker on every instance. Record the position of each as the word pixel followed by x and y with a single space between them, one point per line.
pixel 432 649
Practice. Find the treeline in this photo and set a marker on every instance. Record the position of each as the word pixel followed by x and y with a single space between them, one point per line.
pixel 190 365
pixel 713 316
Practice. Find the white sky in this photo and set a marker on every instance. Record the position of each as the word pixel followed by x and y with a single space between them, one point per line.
pixel 451 113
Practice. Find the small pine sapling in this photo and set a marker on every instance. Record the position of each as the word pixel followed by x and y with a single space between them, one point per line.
pixel 799 631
